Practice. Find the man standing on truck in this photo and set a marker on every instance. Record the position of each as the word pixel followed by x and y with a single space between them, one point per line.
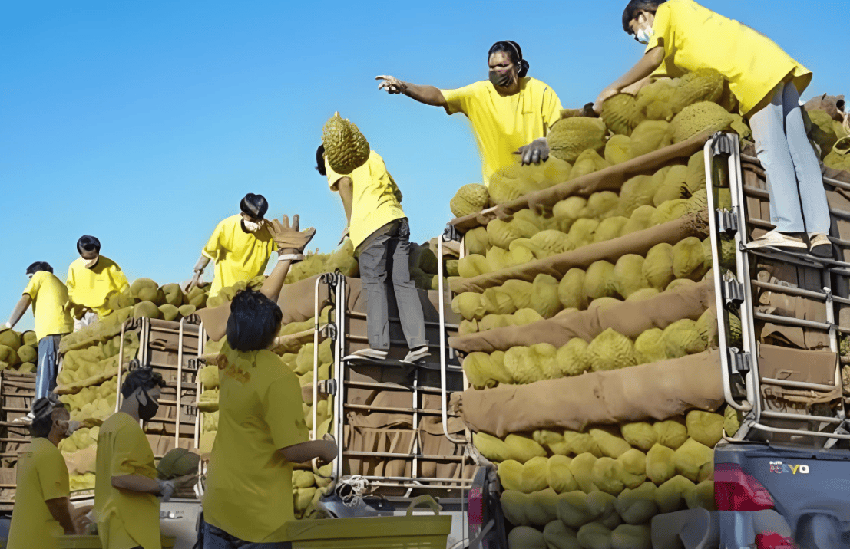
pixel 49 299
pixel 240 245
pixel 681 35
pixel 42 509
pixel 380 235
pixel 91 279
pixel 126 486
pixel 510 114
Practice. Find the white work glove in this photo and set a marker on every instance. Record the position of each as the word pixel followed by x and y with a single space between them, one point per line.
pixel 391 84
pixel 7 326
pixel 196 280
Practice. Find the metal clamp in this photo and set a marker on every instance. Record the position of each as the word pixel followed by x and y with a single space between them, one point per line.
pixel 733 291
pixel 327 386
pixel 721 144
pixel 739 362
pixel 328 330
pixel 727 220
pixel 451 234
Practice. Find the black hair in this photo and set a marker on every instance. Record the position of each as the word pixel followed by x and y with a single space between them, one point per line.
pixel 43 409
pixel 39 266
pixel 636 6
pixel 144 378
pixel 254 205
pixel 88 243
pixel 320 160
pixel 254 321
pixel 514 51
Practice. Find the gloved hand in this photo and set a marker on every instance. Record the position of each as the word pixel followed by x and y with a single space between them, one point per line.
pixel 195 282
pixel 290 240
pixel 534 153
pixel 344 235
pixel 391 84
pixel 166 490
pixel 8 325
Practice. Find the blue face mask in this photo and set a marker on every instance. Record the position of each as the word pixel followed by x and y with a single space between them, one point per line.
pixel 644 35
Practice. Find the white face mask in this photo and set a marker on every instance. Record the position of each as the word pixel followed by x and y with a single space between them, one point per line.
pixel 251 226
pixel 644 35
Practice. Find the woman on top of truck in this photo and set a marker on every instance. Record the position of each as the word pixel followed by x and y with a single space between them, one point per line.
pixel 684 36
pixel 510 113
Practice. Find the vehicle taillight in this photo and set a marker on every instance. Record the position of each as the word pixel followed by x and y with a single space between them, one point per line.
pixel 772 540
pixel 735 490
pixel 475 507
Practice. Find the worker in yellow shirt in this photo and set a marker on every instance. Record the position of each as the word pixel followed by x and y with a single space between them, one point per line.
pixel 510 114
pixel 261 429
pixel 380 235
pixel 42 505
pixel 681 36
pixel 49 299
pixel 91 279
pixel 126 486
pixel 240 245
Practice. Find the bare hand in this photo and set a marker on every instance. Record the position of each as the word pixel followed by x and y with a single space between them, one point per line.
pixel 606 93
pixel 329 449
pixel 534 153
pixel 391 84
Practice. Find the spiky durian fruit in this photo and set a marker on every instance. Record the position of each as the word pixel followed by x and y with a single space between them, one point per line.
pixel 621 114
pixel 345 147
pixel 469 199
pixel 569 137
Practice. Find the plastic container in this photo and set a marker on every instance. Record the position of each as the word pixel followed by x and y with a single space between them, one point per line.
pixel 93 542
pixel 407 532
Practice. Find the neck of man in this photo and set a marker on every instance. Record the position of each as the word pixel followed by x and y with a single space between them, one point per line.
pixel 54 437
pixel 130 406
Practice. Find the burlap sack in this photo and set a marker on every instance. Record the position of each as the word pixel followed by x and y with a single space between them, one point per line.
pixel 608 179
pixel 628 318
pixel 654 391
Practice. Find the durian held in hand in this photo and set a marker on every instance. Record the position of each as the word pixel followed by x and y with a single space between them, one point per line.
pixel 345 146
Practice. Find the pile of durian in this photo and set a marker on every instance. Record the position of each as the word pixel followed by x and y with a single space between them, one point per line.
pixel 18 351
pixel 602 486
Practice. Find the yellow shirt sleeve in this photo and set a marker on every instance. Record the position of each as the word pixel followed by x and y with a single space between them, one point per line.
pixel 663 33
pixel 284 412
pixel 70 283
pixel 214 244
pixel 53 476
pixel 131 454
pixel 33 287
pixel 119 279
pixel 551 108
pixel 458 100
pixel 333 177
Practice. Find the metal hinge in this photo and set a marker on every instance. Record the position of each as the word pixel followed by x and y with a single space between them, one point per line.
pixel 451 234
pixel 328 330
pixel 733 291
pixel 727 220
pixel 740 362
pixel 721 143
pixel 327 386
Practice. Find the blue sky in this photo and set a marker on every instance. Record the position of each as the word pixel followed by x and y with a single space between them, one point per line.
pixel 144 123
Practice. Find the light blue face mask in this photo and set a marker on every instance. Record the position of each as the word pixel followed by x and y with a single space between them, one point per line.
pixel 644 35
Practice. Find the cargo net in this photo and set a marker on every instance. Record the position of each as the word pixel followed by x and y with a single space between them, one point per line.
pixel 588 321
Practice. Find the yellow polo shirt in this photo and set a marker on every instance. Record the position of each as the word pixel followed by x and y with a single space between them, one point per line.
pixel 695 37
pixel 42 475
pixel 249 485
pixel 504 123
pixel 49 305
pixel 124 519
pixel 238 255
pixel 374 198
pixel 90 287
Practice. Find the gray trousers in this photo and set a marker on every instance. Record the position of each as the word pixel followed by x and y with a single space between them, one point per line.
pixel 797 197
pixel 388 250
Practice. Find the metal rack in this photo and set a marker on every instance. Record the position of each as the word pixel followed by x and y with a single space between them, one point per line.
pixel 744 386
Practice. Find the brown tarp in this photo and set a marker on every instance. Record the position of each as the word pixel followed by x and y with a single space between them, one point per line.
pixel 695 224
pixel 630 318
pixel 654 391
pixel 608 179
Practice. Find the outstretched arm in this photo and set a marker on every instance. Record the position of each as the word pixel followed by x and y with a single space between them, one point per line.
pixel 19 310
pixel 650 61
pixel 323 449
pixel 428 95
pixel 291 243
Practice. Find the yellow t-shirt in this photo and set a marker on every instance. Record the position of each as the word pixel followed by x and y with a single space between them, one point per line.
pixel 374 197
pixel 124 519
pixel 49 300
pixel 249 486
pixel 42 476
pixel 695 37
pixel 504 123
pixel 238 255
pixel 90 287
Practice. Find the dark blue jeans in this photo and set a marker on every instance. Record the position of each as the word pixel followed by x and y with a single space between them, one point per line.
pixel 211 537
pixel 48 359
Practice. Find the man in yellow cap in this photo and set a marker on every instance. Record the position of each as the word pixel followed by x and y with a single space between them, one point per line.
pixel 49 299
pixel 240 245
pixel 42 508
pixel 91 279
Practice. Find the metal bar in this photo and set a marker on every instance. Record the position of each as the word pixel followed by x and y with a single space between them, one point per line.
pixel 816 434
pixel 409 479
pixel 369 408
pixel 120 368
pixel 396 387
pixel 362 316
pixel 179 382
pixel 315 358
pixel 790 290
pixel 803 417
pixel 793 321
pixel 403 456
pixel 393 342
pixel 797 384
pixel 341 307
pixel 443 342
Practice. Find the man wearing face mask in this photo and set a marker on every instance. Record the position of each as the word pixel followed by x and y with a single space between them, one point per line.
pixel 126 485
pixel 91 279
pixel 240 245
pixel 510 114
pixel 49 299
pixel 683 36
pixel 42 508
